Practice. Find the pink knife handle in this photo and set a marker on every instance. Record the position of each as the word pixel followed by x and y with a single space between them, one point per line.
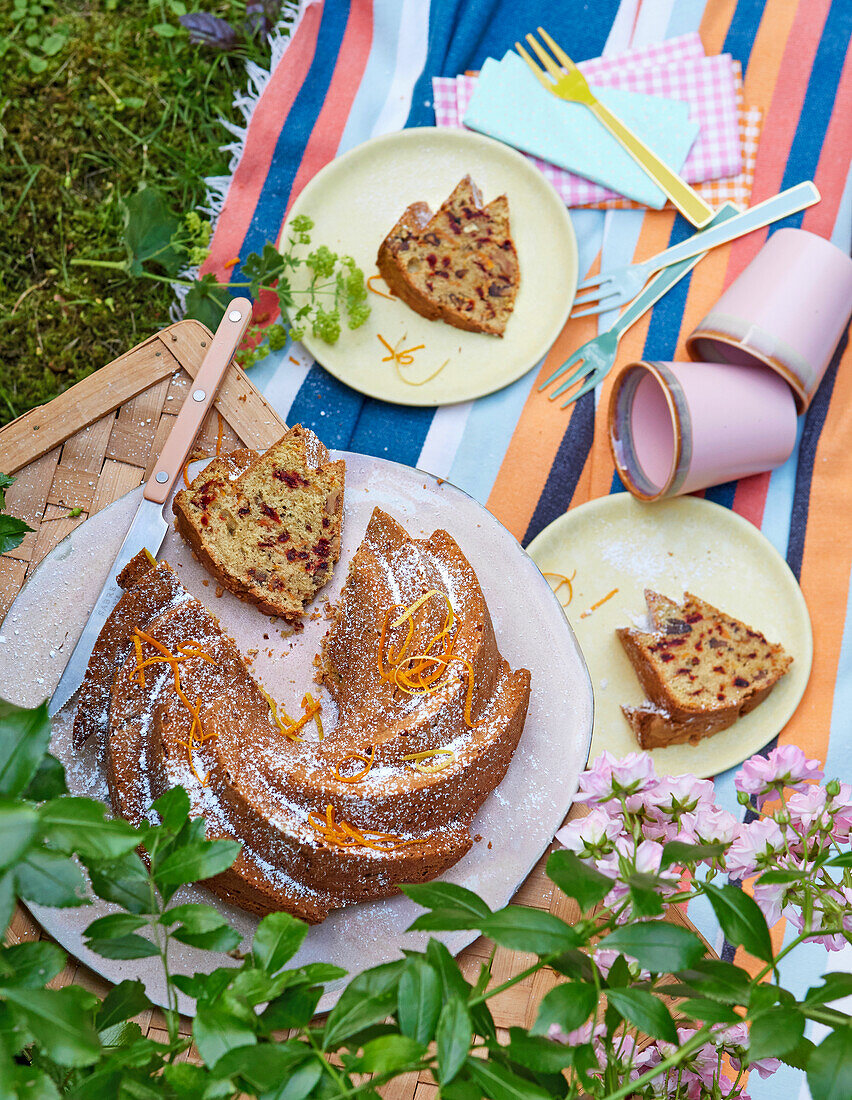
pixel 199 400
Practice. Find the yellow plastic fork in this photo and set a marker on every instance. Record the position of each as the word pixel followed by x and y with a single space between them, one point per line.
pixel 571 85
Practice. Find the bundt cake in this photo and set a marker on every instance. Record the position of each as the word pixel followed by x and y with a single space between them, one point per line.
pixel 458 266
pixel 429 715
pixel 701 670
pixel 267 528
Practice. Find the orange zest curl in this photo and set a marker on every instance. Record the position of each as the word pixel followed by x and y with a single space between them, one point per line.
pixel 405 357
pixel 186 480
pixel 186 651
pixel 595 606
pixel 390 297
pixel 562 579
pixel 418 760
pixel 337 831
pixel 366 760
pixel 421 673
pixel 219 435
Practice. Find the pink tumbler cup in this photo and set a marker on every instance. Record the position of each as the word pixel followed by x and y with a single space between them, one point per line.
pixel 787 310
pixel 678 427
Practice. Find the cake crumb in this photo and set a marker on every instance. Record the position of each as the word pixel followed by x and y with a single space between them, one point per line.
pixel 477 838
pixel 220 591
pixel 205 582
pixel 489 845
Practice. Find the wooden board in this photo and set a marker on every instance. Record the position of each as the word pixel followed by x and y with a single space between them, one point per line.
pixel 97 441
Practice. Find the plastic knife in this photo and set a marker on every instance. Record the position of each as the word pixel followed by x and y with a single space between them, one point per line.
pixel 149 525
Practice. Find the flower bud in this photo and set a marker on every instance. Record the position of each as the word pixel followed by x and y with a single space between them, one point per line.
pixel 743 798
pixel 832 788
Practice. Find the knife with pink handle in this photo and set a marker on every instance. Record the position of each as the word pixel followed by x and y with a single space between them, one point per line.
pixel 149 525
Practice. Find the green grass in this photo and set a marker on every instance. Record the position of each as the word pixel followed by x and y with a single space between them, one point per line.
pixel 119 104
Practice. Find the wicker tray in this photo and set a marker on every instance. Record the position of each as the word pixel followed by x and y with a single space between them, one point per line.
pixel 96 442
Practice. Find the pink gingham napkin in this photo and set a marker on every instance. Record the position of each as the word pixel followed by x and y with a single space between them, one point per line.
pixel 675 69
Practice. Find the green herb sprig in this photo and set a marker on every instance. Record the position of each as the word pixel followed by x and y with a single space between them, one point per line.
pixel 160 245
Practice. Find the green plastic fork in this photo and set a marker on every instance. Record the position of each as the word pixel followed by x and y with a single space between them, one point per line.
pixel 595 359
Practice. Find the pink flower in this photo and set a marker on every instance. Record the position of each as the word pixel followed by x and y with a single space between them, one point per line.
pixel 583 1034
pixel 785 766
pixel 609 777
pixel 841 808
pixel 674 795
pixel 590 835
pixel 808 808
pixel 766 1066
pixel 714 826
pixel 770 898
pixel 758 842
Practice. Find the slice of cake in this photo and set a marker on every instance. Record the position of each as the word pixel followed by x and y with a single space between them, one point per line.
pixel 701 670
pixel 268 528
pixel 458 266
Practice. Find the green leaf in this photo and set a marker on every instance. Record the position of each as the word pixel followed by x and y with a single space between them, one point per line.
pixel 419 1000
pixel 454 1035
pixel 775 1032
pixel 113 925
pixel 18 831
pixel 835 985
pixel 217 939
pixel 645 898
pixel 78 825
pixel 205 988
pixel 263 1067
pixel 300 1083
pixel 206 301
pixel 53 44
pixel 173 808
pixel 741 919
pixel 7 900
pixel 844 859
pixel 149 227
pixel 216 1031
pixel 123 947
pixel 51 878
pixel 800 1055
pixel 294 1008
pixel 277 939
pixel 48 781
pixel 123 1001
pixel 709 1012
pixel 6 482
pixel 24 738
pixel 567 1005
pixel 676 851
pixel 12 531
pixel 537 1052
pixel 390 1054
pixel 36 64
pixel 657 945
pixel 830 1068
pixel 164 30
pixel 60 1021
pixel 367 1000
pixel 720 980
pixel 31 965
pixel 124 882
pixel 644 1011
pixel 26 1081
pixel 769 878
pixel 196 862
pixel 443 920
pixel 448 896
pixel 523 929
pixel 577 878
pixel 500 1083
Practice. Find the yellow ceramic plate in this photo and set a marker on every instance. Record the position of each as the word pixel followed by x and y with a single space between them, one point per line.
pixel 674 546
pixel 357 199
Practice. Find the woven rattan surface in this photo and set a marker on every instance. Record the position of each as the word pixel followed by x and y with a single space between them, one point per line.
pixel 96 442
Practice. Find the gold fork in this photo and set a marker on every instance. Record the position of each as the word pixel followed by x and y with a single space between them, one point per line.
pixel 571 85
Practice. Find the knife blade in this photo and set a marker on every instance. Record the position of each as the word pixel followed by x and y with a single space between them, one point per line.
pixel 149 525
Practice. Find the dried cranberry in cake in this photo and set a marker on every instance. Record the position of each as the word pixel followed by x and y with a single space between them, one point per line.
pixel 252 521
pixel 459 265
pixel 701 669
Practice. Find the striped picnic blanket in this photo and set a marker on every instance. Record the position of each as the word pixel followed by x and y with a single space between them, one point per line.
pixel 357 68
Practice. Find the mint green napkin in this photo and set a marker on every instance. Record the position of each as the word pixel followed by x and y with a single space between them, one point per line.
pixel 509 104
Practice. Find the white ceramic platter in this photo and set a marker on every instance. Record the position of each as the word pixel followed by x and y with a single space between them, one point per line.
pixel 674 546
pixel 516 822
pixel 357 199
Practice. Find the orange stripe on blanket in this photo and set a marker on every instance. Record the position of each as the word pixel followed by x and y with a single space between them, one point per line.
pixel 833 164
pixel 826 566
pixel 266 125
pixel 780 125
pixel 324 141
pixel 767 52
pixel 750 498
pixel 715 24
